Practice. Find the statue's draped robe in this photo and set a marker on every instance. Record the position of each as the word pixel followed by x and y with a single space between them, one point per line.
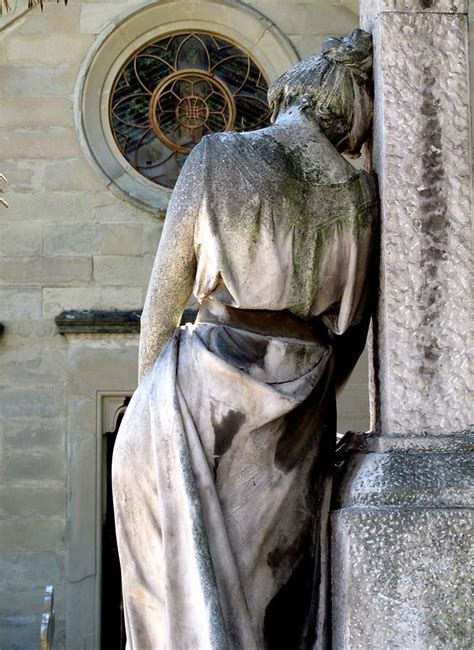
pixel 222 464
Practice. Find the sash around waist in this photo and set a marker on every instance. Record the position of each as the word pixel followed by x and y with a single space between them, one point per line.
pixel 269 323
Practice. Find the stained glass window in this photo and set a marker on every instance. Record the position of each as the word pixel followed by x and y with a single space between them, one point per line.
pixel 177 89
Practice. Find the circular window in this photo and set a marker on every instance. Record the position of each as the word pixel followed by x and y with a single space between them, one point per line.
pixel 177 89
pixel 162 75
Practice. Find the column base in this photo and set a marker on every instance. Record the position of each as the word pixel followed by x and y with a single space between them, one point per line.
pixel 401 547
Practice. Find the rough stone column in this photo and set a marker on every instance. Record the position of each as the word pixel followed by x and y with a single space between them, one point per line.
pixel 401 534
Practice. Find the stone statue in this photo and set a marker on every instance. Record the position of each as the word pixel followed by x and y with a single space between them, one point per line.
pixel 222 466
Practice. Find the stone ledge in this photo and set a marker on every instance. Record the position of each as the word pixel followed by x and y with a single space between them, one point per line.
pixel 98 322
pixel 408 443
pixel 106 322
pixel 419 6
pixel 371 10
pixel 407 480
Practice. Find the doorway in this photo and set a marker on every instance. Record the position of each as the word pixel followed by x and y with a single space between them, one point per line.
pixel 113 635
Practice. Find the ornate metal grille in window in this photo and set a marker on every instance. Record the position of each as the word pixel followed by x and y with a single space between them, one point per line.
pixel 177 89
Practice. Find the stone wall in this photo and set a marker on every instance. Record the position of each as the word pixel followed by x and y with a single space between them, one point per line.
pixel 66 241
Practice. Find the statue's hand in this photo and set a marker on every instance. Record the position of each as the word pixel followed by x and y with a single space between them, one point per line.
pixel 351 443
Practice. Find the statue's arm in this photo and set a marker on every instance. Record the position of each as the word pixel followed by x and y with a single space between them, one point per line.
pixel 351 269
pixel 174 269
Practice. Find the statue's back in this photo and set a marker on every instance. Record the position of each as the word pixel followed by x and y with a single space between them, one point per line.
pixel 268 237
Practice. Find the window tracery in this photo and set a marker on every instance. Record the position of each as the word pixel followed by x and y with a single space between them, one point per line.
pixel 175 90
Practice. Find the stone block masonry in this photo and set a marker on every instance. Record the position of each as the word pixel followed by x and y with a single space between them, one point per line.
pixel 61 216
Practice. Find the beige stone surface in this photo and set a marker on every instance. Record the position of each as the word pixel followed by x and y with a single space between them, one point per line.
pixel 34 401
pixel 46 271
pixel 23 239
pixel 82 412
pixel 37 81
pixel 39 365
pixel 96 15
pixel 25 569
pixel 93 238
pixel 25 598
pixel 28 143
pixel 20 304
pixel 32 332
pixel 22 174
pixel 30 435
pixel 63 208
pixel 56 300
pixel 46 49
pixel 122 270
pixel 89 358
pixel 35 112
pixel 52 21
pixel 73 173
pixel 47 467
pixel 151 236
pixel 81 555
pixel 307 45
pixel 32 533
pixel 126 239
pixel 309 18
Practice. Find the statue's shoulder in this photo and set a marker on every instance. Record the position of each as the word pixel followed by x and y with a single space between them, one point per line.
pixel 249 141
pixel 253 154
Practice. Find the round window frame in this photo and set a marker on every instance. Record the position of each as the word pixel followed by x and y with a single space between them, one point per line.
pixel 246 27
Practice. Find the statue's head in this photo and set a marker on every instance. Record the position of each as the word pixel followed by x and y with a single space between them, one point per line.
pixel 334 88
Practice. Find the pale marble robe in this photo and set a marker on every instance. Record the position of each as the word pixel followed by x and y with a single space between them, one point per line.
pixel 222 464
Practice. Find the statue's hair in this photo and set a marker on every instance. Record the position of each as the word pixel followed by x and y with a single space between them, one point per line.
pixel 335 86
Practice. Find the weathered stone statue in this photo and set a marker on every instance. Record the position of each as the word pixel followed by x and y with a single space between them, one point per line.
pixel 222 465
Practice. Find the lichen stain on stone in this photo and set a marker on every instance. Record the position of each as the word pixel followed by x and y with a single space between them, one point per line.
pixel 307 429
pixel 225 427
pixel 434 224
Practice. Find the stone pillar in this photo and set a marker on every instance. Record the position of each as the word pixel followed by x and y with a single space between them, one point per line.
pixel 401 534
